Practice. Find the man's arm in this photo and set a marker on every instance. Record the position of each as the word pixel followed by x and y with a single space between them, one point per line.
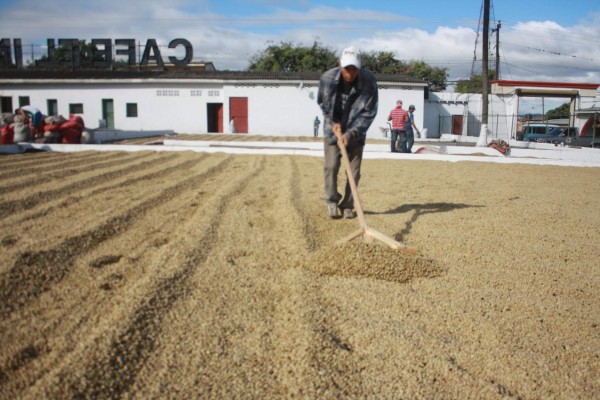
pixel 324 100
pixel 414 126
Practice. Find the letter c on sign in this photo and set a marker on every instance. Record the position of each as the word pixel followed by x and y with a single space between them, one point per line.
pixel 189 52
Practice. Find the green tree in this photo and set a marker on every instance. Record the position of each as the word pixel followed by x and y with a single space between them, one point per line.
pixel 382 62
pixel 473 84
pixel 435 76
pixel 287 57
pixel 562 111
pixel 64 54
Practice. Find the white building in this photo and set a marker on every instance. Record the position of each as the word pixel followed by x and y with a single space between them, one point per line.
pixel 460 113
pixel 265 103
pixel 580 96
pixel 282 104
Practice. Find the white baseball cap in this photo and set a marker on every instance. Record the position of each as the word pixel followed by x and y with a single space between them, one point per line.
pixel 350 56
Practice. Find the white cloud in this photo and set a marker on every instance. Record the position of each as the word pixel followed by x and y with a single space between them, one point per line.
pixel 528 50
pixel 549 51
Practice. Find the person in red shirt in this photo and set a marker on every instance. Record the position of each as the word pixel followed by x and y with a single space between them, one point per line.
pixel 399 118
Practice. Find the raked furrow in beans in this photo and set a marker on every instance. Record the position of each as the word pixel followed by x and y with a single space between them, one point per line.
pixel 114 376
pixel 128 182
pixel 13 206
pixel 66 169
pixel 35 272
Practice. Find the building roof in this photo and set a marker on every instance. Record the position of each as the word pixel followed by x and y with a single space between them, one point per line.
pixel 543 89
pixel 539 84
pixel 591 110
pixel 35 75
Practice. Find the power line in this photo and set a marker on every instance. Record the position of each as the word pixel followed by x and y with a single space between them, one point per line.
pixel 507 65
pixel 555 32
pixel 549 51
pixel 547 65
pixel 537 72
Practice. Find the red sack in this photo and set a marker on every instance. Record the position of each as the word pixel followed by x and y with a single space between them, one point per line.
pixel 8 135
pixel 70 124
pixel 71 136
pixel 79 120
pixel 53 127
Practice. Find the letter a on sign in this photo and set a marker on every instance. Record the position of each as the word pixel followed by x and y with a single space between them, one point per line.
pixel 152 46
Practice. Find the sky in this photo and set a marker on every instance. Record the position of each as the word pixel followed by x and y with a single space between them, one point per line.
pixel 547 40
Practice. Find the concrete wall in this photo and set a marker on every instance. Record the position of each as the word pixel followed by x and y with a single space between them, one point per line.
pixel 274 108
pixel 440 107
pixel 289 109
pixel 284 109
pixel 279 108
pixel 160 106
pixel 387 101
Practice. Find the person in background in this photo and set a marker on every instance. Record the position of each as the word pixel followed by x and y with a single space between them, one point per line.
pixel 348 98
pixel 33 116
pixel 316 124
pixel 411 128
pixel 232 128
pixel 399 118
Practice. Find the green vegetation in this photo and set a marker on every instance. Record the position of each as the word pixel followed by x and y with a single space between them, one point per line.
pixel 288 57
pixel 562 111
pixel 474 84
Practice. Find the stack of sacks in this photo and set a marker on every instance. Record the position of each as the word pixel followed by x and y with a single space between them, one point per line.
pixel 72 129
pixel 8 133
pixel 21 130
pixel 52 126
pixel 60 130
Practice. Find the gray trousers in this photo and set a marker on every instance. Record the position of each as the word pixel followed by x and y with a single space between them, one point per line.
pixel 331 167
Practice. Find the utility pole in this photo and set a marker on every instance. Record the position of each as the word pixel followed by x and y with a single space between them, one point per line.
pixel 497 30
pixel 484 67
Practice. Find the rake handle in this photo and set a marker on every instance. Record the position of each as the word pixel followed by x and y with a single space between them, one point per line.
pixel 346 161
pixel 367 233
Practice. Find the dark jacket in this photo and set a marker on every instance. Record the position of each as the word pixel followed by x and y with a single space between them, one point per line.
pixel 364 98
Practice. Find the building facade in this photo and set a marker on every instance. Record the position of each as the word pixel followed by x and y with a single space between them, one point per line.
pixel 280 104
pixel 266 103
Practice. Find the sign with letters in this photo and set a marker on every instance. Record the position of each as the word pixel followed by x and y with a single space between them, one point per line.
pixel 102 53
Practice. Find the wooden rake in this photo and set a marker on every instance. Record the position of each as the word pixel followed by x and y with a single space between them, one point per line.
pixel 365 231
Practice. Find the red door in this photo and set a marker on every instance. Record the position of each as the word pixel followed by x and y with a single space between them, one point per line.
pixel 238 110
pixel 457 122
pixel 220 119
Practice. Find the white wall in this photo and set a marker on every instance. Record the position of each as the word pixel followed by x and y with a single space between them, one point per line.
pixel 174 109
pixel 282 109
pixel 288 109
pixel 444 105
pixel 387 102
pixel 501 114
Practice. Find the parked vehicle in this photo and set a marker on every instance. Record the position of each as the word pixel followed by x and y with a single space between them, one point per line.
pixel 565 137
pixel 536 132
pixel 571 137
